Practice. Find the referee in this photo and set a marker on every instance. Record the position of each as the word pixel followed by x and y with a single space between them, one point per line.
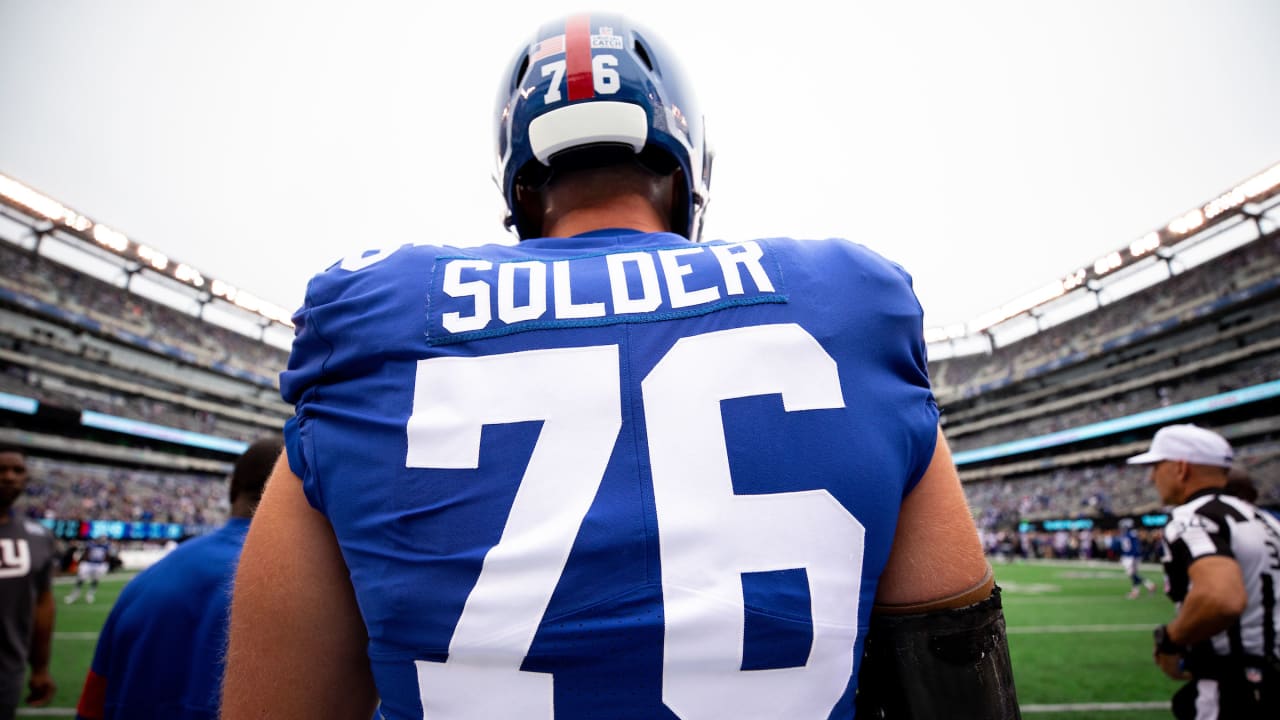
pixel 1222 560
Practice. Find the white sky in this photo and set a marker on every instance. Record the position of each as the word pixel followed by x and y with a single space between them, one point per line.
pixel 989 147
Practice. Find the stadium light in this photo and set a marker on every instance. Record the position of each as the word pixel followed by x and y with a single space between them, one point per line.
pixel 153 257
pixel 188 274
pixel 1187 223
pixel 43 205
pixel 110 238
pixel 1052 291
pixel 1243 198
pixel 224 290
pixel 1107 263
pixel 247 301
pixel 277 313
pixel 1073 281
pixel 1144 244
pixel 40 206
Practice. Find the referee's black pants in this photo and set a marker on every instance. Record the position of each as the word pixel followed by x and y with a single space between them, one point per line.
pixel 1227 699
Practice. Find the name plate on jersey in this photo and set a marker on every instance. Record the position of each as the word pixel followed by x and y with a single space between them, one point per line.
pixel 473 298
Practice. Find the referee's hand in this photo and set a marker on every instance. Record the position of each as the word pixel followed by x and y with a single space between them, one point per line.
pixel 1172 666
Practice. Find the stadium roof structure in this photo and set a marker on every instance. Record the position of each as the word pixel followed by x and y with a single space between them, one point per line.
pixel 46 217
pixel 1231 219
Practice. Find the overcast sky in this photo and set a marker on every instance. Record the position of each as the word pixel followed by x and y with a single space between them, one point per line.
pixel 988 147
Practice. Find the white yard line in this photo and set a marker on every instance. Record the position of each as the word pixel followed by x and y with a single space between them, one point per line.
pixel 108 579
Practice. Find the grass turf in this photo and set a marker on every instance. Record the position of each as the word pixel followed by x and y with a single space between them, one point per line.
pixel 1074 637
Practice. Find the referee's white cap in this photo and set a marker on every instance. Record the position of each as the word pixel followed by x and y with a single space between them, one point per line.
pixel 1188 443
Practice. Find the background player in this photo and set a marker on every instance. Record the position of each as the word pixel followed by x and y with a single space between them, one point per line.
pixel 1130 547
pixel 27 565
pixel 609 472
pixel 161 651
pixel 95 562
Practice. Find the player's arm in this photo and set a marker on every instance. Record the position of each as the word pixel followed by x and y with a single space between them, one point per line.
pixel 937 555
pixel 41 684
pixel 1216 599
pixel 297 645
pixel 937 645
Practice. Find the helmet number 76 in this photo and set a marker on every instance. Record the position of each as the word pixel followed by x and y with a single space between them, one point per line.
pixel 604 76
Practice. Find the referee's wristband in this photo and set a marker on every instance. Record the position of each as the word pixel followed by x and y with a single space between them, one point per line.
pixel 1164 645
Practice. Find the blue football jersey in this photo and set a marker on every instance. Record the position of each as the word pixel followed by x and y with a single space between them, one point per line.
pixel 1130 545
pixel 620 475
pixel 97 551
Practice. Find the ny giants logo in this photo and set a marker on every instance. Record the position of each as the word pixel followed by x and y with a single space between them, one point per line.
pixel 15 558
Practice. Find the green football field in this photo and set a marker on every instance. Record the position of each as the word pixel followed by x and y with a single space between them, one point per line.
pixel 1080 648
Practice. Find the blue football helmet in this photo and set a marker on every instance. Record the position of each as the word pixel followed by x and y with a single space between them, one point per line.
pixel 600 84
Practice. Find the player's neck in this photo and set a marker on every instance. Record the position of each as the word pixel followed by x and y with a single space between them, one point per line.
pixel 625 211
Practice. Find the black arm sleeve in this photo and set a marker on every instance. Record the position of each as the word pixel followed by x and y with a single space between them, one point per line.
pixel 947 664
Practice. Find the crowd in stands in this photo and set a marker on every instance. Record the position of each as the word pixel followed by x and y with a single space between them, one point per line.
pixel 1083 491
pixel 72 490
pixel 1098 490
pixel 1087 544
pixel 1179 295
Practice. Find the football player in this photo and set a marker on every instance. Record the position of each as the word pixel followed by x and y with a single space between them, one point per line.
pixel 28 562
pixel 612 471
pixel 160 653
pixel 95 561
pixel 1131 557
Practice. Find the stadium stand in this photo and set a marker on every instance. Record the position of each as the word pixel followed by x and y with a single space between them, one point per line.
pixel 133 407
pixel 1041 426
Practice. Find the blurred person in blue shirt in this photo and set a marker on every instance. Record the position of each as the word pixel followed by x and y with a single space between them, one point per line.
pixel 161 652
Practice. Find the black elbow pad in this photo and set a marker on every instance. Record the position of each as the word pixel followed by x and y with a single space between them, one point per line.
pixel 945 665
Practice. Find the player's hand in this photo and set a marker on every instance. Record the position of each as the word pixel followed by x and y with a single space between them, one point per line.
pixel 42 688
pixel 1172 666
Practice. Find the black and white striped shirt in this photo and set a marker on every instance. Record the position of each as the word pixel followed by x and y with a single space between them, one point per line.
pixel 1212 523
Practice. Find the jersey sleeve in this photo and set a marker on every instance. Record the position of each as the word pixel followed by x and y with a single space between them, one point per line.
pixel 354 317
pixel 919 376
pixel 896 319
pixel 305 372
pixel 1198 536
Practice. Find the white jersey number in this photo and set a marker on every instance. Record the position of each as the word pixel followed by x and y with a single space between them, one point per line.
pixel 709 535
